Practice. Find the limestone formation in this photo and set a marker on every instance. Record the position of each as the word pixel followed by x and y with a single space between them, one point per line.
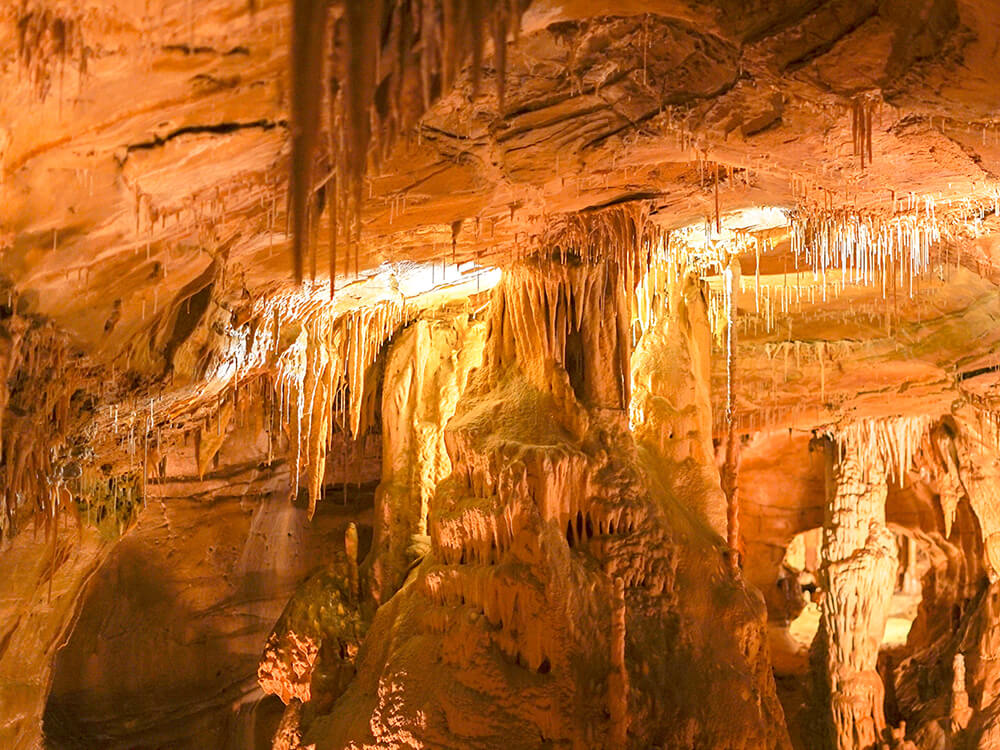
pixel 499 374
pixel 857 577
pixel 426 371
pixel 544 516
pixel 961 712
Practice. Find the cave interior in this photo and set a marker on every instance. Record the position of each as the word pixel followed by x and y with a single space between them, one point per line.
pixel 500 374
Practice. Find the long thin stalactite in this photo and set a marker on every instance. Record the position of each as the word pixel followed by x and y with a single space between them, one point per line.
pixel 369 47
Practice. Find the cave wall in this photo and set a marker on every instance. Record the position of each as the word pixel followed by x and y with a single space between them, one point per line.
pixel 163 642
pixel 45 580
pixel 165 649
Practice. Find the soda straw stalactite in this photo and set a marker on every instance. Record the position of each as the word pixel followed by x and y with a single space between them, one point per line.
pixel 730 468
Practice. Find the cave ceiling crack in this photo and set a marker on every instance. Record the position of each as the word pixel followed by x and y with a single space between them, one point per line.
pixel 220 128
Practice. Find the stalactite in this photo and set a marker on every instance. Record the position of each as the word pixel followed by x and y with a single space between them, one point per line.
pixel 351 552
pixel 308 31
pixel 37 416
pixel 46 39
pixel 432 36
pixel 333 207
pixel 889 444
pixel 862 108
pixel 329 361
pixel 863 244
pixel 730 467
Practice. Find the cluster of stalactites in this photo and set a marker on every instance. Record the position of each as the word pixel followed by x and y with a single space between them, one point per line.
pixel 37 379
pixel 870 248
pixel 548 313
pixel 891 442
pixel 324 383
pixel 953 454
pixel 652 261
pixel 698 251
pixel 960 455
pixel 647 261
pixel 652 294
pixel 46 40
pixel 375 66
pixel 572 302
pixel 622 234
pixel 666 261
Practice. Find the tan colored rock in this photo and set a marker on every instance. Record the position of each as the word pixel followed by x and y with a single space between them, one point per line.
pixel 510 632
pixel 857 577
pixel 961 711
pixel 315 642
pixel 44 582
pixel 154 346
pixel 427 368
pixel 671 409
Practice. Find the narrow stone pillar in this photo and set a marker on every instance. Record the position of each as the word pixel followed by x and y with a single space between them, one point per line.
pixel 911 577
pixel 618 679
pixel 289 735
pixel 858 577
pixel 351 552
pixel 960 711
pixel 731 466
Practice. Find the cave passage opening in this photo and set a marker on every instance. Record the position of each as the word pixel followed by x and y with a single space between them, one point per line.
pixel 799 578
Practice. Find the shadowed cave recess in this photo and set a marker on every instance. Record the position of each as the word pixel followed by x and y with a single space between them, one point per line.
pixel 500 374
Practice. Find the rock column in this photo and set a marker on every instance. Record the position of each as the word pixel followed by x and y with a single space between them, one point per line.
pixel 858 575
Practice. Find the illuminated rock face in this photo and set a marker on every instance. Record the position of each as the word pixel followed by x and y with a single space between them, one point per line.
pixel 671 409
pixel 426 371
pixel 549 607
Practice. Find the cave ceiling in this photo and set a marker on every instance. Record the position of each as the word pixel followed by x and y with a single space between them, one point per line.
pixel 153 143
pixel 145 149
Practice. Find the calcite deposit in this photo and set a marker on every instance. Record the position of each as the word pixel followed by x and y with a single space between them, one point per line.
pixel 499 374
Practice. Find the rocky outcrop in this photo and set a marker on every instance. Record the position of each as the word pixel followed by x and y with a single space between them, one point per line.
pixel 557 559
pixel 426 371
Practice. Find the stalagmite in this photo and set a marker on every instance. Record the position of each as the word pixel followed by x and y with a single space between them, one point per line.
pixel 960 710
pixel 288 736
pixel 857 577
pixel 618 681
pixel 730 467
pixel 351 552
